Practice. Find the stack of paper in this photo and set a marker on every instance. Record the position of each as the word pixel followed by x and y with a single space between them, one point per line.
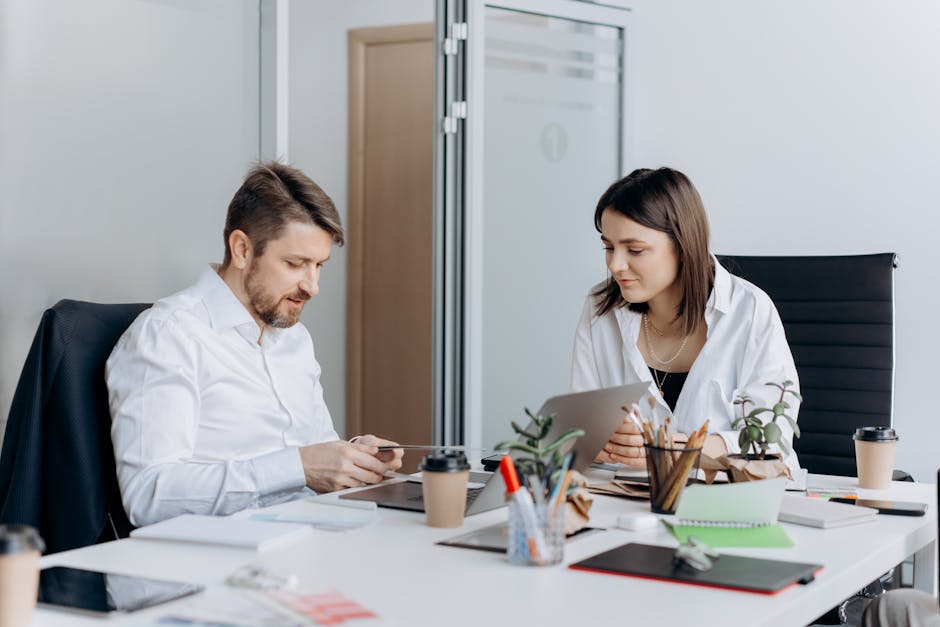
pixel 814 512
pixel 224 530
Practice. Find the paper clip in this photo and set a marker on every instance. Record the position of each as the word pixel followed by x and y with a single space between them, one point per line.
pixel 256 577
pixel 695 554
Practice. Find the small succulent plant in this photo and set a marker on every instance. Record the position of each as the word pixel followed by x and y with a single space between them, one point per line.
pixel 538 458
pixel 755 434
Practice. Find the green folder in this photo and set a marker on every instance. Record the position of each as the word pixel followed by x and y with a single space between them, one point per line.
pixel 762 536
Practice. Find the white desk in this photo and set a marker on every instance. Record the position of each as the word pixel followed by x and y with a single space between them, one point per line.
pixel 394 568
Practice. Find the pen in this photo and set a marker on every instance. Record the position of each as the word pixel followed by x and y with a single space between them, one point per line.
pixel 560 498
pixel 535 486
pixel 565 465
pixel 427 447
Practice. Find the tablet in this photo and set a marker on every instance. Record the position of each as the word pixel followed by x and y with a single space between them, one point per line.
pixel 99 593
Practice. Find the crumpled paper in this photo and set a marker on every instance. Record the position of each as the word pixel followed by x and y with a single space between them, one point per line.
pixel 578 505
pixel 740 469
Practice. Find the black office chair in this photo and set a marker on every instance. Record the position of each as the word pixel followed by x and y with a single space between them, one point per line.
pixel 57 469
pixel 838 314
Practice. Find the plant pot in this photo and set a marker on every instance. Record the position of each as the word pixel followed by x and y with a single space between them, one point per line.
pixel 751 467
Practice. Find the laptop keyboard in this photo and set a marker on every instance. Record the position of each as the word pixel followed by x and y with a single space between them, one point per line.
pixel 472 495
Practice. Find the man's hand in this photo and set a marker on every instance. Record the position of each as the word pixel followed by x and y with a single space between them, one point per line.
pixel 391 459
pixel 336 465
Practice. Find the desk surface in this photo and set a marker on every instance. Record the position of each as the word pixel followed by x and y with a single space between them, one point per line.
pixel 394 568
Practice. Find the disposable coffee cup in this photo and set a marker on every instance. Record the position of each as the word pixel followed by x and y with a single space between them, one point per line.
pixel 444 479
pixel 874 456
pixel 20 548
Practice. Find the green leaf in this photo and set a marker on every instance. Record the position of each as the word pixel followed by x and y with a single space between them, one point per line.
pixel 787 383
pixel 774 385
pixel 521 431
pixel 754 420
pixel 757 411
pixel 574 433
pixel 743 440
pixel 754 433
pixel 772 433
pixel 793 425
pixel 780 407
pixel 736 422
pixel 517 446
pixel 546 426
pixel 796 394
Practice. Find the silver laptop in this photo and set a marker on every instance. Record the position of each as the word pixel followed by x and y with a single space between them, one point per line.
pixel 598 412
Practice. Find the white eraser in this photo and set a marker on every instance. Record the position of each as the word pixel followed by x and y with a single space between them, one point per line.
pixel 637 521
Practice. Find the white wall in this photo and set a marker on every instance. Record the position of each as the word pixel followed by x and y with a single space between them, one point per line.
pixel 125 128
pixel 810 128
pixel 317 136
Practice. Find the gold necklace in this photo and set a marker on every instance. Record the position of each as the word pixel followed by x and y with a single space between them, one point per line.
pixel 656 329
pixel 659 382
pixel 649 344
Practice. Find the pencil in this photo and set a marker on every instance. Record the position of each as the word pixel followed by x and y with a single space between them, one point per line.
pixel 564 488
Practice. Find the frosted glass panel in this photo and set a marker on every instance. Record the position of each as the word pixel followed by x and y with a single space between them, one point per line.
pixel 551 147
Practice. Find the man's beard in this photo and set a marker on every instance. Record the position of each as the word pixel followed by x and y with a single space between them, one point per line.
pixel 266 305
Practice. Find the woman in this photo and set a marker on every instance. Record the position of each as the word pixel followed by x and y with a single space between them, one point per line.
pixel 671 315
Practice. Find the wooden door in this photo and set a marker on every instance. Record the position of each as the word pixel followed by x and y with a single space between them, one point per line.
pixel 391 133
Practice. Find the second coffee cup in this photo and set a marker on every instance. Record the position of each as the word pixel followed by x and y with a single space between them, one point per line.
pixel 444 478
pixel 874 456
pixel 20 548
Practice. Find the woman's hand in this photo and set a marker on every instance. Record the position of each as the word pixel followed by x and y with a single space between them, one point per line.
pixel 625 446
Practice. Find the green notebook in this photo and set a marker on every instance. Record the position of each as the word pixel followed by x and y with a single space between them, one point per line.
pixel 761 536
pixel 742 514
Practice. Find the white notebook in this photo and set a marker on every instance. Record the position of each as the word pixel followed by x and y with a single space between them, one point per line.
pixel 225 530
pixel 816 512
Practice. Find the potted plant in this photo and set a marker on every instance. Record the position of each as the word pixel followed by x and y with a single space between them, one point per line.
pixel 756 436
pixel 537 530
pixel 538 458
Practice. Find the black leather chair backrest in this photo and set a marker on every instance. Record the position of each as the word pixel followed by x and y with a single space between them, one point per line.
pixel 838 313
pixel 57 468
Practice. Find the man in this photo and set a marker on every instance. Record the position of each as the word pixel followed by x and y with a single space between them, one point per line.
pixel 215 392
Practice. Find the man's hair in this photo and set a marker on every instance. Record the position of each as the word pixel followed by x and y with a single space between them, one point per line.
pixel 273 195
pixel 665 200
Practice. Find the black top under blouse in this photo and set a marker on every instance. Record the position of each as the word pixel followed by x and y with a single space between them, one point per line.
pixel 672 386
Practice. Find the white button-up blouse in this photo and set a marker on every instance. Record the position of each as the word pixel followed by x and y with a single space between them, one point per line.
pixel 745 348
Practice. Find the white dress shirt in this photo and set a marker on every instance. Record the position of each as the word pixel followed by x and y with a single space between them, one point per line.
pixel 745 348
pixel 204 418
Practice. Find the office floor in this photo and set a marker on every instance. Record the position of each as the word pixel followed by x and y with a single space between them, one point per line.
pixel 853 614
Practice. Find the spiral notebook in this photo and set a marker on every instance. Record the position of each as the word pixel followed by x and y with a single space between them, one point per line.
pixel 742 514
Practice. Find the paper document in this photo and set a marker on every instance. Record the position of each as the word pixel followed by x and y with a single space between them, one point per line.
pixel 224 530
pixel 330 514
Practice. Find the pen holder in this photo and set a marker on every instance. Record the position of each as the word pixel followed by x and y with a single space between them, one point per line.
pixel 670 469
pixel 538 544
